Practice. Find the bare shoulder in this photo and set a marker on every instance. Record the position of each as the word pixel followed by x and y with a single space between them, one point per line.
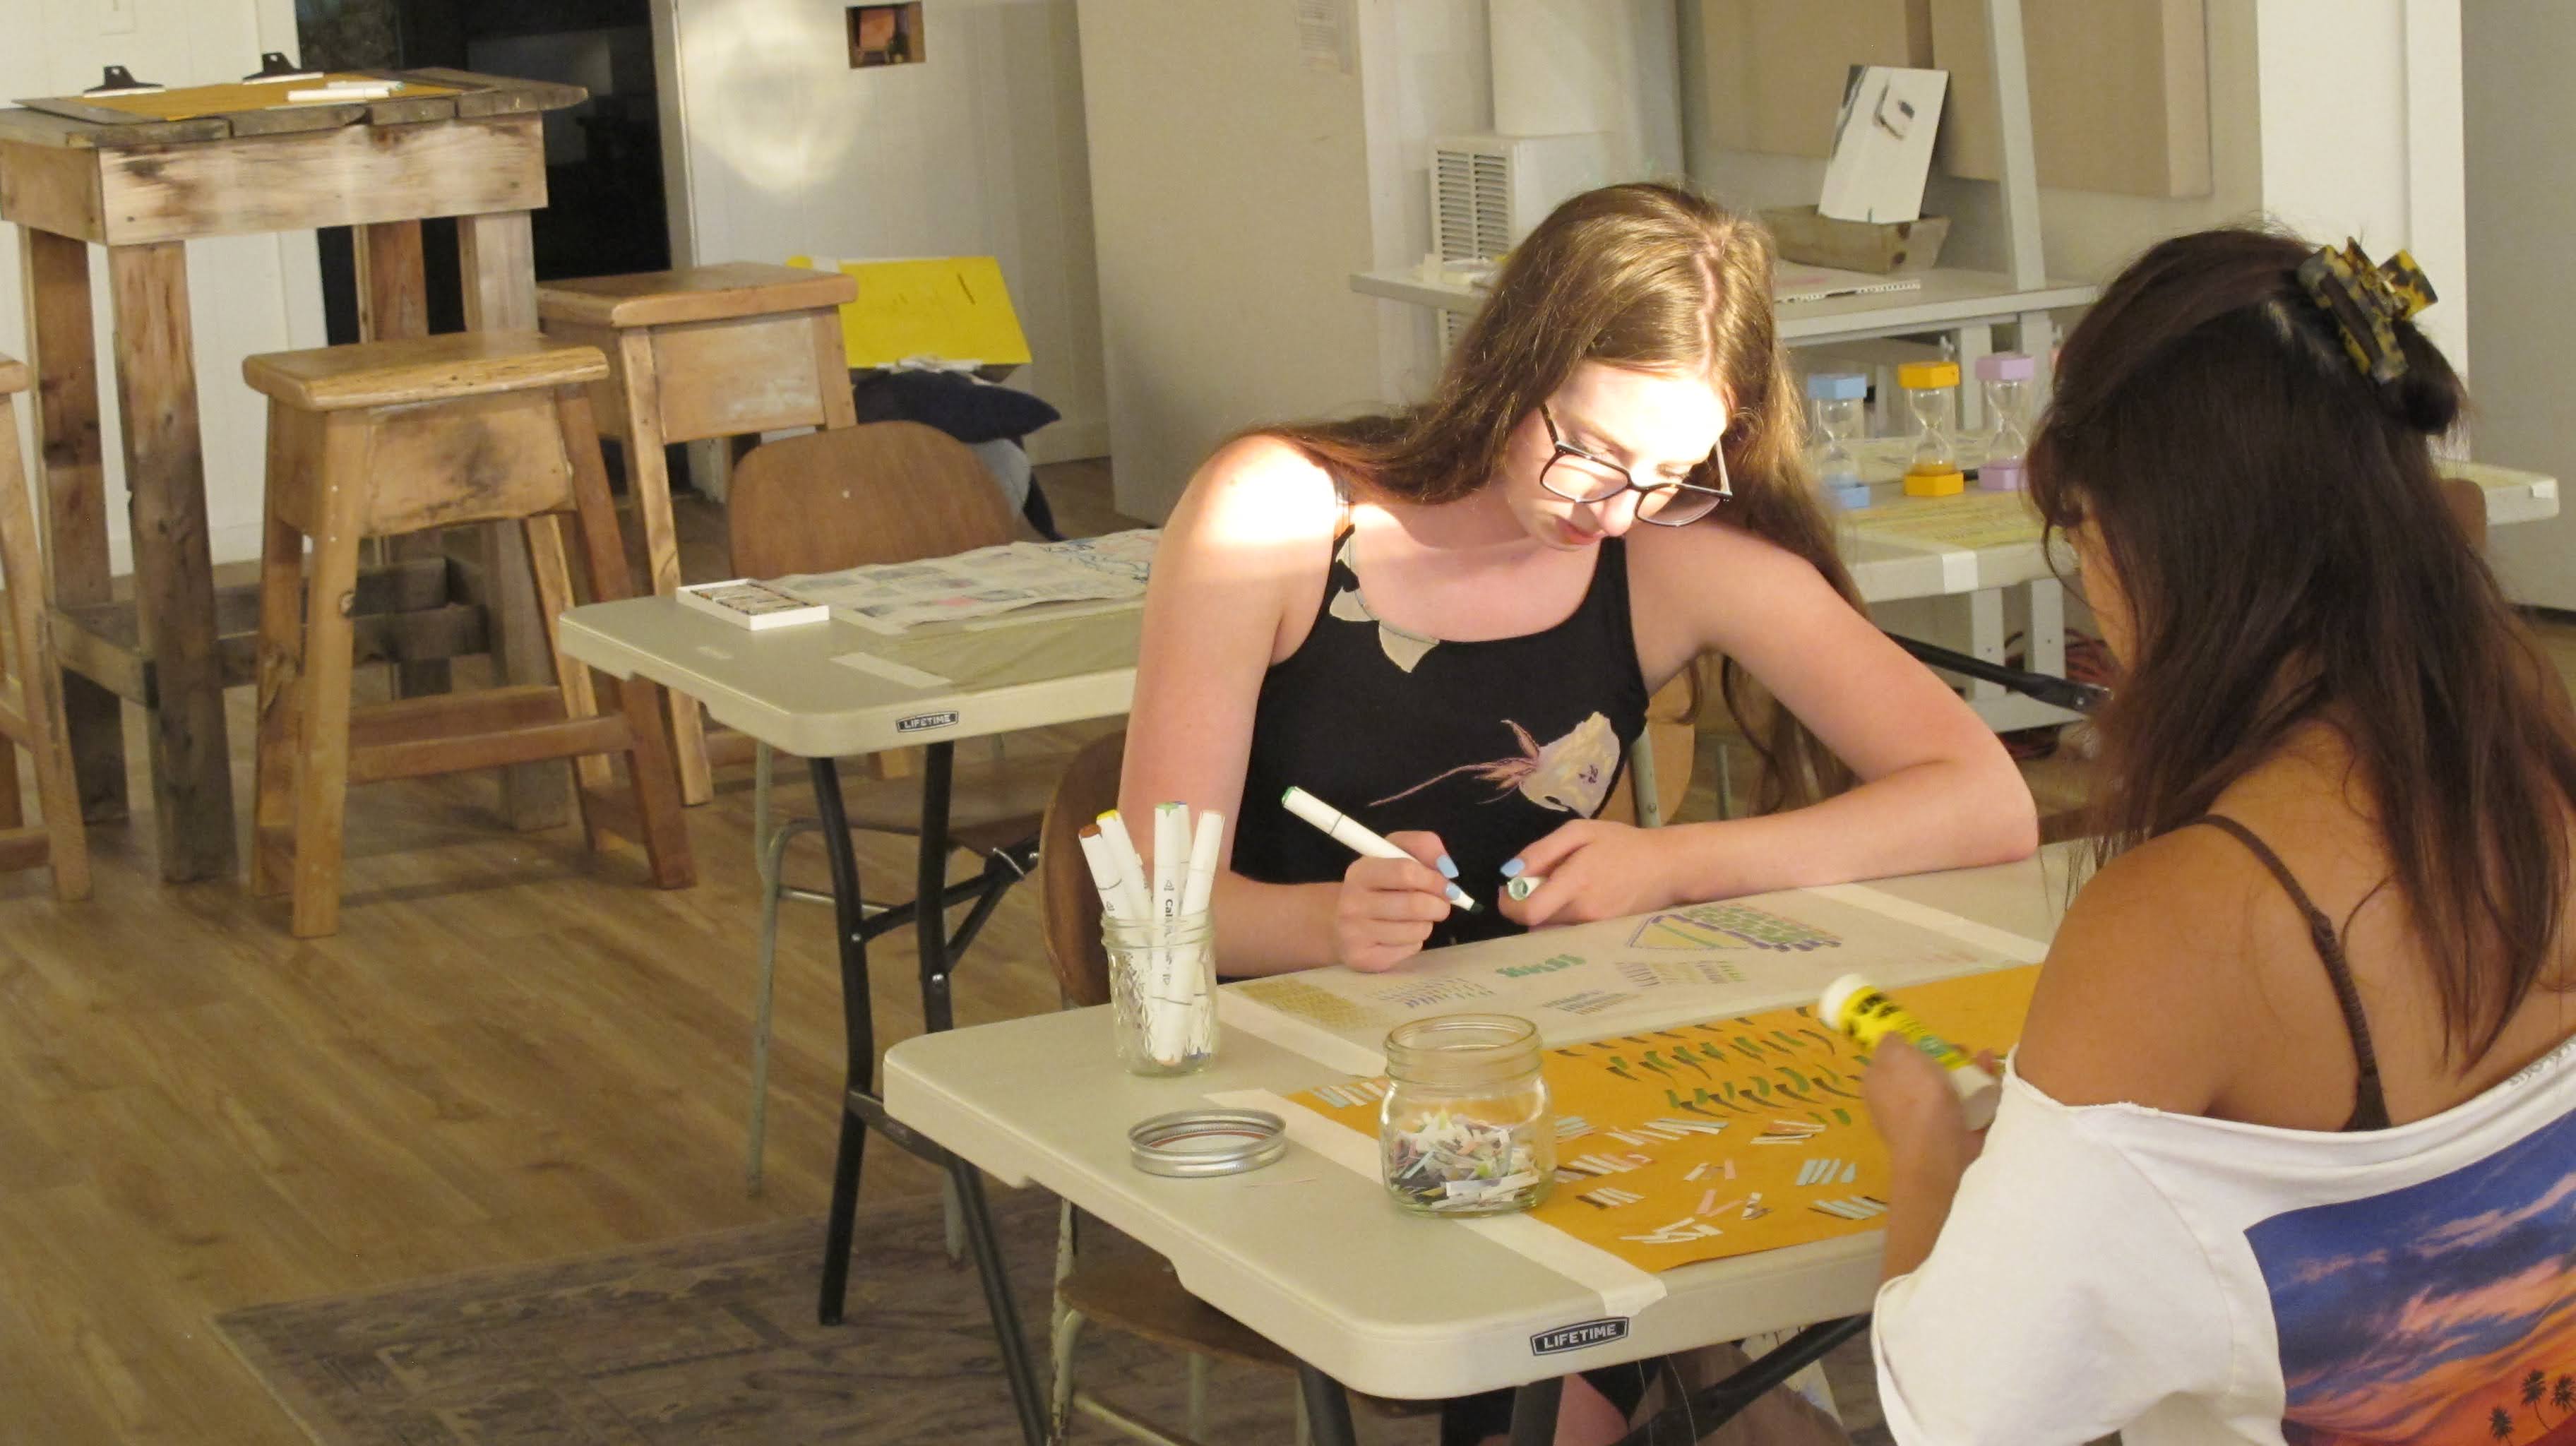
pixel 1709 587
pixel 2144 990
pixel 1261 492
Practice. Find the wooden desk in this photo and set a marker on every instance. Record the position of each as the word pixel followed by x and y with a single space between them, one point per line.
pixel 143 189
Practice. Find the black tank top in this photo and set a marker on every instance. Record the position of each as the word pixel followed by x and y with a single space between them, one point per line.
pixel 1491 745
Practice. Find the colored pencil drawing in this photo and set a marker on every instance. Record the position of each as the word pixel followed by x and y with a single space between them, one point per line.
pixel 1729 926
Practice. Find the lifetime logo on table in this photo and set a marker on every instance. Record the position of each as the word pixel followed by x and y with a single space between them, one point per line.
pixel 924 722
pixel 1578 1336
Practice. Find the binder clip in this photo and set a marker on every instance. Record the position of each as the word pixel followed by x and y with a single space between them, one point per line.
pixel 121 81
pixel 274 66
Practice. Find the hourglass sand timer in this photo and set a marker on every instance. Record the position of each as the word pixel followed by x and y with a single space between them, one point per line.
pixel 1838 399
pixel 1932 404
pixel 2008 378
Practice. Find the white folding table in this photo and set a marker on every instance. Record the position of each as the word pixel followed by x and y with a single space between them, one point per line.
pixel 830 690
pixel 1312 1254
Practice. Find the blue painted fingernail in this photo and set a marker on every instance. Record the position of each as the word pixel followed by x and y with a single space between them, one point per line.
pixel 1458 896
pixel 1448 867
pixel 1513 869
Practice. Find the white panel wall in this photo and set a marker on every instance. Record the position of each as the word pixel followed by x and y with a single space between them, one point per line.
pixel 976 150
pixel 1230 181
pixel 246 294
pixel 1426 67
pixel 2521 183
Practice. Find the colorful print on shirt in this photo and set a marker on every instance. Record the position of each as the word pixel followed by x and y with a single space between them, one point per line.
pixel 2443 1313
pixel 1571 774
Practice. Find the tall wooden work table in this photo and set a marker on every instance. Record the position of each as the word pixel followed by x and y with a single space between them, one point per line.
pixel 469 147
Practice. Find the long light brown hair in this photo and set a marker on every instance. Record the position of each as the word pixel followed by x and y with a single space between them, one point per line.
pixel 2273 518
pixel 1650 277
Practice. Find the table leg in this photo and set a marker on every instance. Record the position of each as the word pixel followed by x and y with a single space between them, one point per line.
pixel 1328 1408
pixel 859 1031
pixel 393 305
pixel 72 505
pixel 498 258
pixel 174 586
pixel 930 887
pixel 1534 1411
pixel 1702 1413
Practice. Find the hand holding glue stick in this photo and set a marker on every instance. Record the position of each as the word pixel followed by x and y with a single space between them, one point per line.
pixel 1855 1007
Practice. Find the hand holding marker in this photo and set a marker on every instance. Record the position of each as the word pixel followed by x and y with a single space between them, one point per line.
pixel 1178 1013
pixel 1342 829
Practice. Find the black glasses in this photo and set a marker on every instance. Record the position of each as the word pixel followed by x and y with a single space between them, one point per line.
pixel 1578 476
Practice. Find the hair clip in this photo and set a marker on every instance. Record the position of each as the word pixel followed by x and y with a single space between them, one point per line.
pixel 2366 303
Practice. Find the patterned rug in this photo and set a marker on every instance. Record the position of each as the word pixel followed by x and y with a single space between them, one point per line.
pixel 712 1341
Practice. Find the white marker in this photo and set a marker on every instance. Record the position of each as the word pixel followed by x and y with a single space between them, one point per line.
pixel 1107 875
pixel 1138 889
pixel 1198 888
pixel 1171 859
pixel 1524 885
pixel 1352 835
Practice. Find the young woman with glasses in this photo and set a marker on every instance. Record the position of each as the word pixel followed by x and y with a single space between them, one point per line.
pixel 1446 623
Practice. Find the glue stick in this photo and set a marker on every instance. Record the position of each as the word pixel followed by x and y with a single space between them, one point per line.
pixel 1856 1007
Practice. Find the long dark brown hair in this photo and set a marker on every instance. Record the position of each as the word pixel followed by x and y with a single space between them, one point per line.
pixel 1647 276
pixel 2274 520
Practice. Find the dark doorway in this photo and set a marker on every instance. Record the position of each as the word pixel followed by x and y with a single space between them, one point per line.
pixel 604 211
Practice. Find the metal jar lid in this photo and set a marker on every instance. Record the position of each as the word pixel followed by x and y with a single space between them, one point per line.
pixel 1191 1143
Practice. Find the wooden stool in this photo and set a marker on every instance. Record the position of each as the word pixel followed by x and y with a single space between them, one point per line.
pixel 711 351
pixel 31 702
pixel 386 438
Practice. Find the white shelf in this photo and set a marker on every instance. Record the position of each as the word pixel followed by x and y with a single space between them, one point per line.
pixel 1946 299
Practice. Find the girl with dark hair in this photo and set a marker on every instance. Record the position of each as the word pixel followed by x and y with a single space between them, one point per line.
pixel 2288 1149
pixel 1447 623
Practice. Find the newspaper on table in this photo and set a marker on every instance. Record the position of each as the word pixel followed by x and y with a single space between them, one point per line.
pixel 988 582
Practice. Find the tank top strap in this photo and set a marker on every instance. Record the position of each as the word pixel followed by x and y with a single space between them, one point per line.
pixel 2369 1102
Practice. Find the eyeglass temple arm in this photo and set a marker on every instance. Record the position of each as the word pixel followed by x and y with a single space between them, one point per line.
pixel 2047 688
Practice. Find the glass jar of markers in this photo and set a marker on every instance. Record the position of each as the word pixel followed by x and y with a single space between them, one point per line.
pixel 1465 1129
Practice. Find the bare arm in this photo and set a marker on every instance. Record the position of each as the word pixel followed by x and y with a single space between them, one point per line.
pixel 1937 789
pixel 1236 578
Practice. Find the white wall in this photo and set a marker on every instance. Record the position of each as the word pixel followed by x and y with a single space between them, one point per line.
pixel 2336 116
pixel 246 294
pixel 1237 187
pixel 2521 183
pixel 977 150
pixel 1426 70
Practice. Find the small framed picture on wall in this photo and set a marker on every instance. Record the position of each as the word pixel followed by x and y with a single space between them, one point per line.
pixel 885 34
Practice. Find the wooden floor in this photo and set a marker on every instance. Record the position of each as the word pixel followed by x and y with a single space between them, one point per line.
pixel 513 1051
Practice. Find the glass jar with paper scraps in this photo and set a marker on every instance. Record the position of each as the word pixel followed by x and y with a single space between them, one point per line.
pixel 1162 993
pixel 1465 1129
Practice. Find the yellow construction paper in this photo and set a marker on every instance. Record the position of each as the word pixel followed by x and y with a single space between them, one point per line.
pixel 954 307
pixel 1729 1136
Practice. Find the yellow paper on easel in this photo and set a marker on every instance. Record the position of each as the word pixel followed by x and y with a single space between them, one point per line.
pixel 1731 1135
pixel 954 307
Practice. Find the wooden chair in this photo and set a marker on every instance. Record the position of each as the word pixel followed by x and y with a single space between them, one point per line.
pixel 384 439
pixel 878 493
pixel 731 350
pixel 31 701
pixel 1134 1293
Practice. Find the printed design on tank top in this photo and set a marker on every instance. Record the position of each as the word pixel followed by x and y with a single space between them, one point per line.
pixel 1402 648
pixel 2443 1313
pixel 1571 775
